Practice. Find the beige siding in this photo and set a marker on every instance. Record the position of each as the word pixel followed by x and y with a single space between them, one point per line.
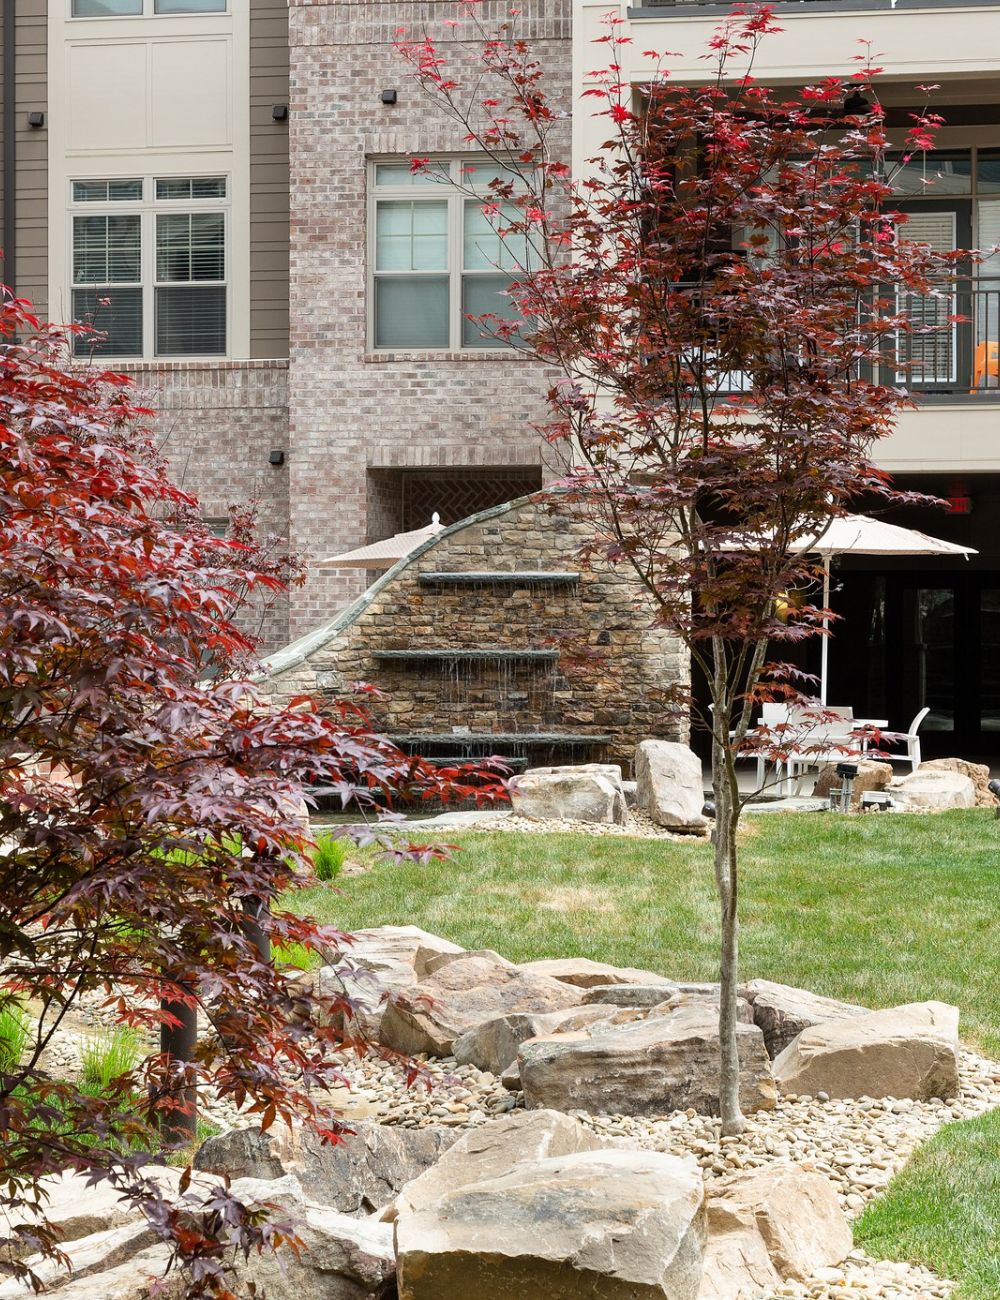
pixel 32 154
pixel 268 179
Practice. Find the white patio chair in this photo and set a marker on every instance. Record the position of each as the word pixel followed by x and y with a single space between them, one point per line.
pixel 912 741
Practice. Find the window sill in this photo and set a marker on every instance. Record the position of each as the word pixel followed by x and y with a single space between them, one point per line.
pixel 409 356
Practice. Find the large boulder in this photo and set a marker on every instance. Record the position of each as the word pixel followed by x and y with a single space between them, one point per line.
pixel 608 1225
pixel 588 792
pixel 78 1209
pixel 908 1051
pixel 776 1224
pixel 934 791
pixel 139 1278
pixel 359 1175
pixel 871 775
pixel 782 1012
pixel 651 1067
pixel 465 992
pixel 583 973
pixel 96 1253
pixel 978 773
pixel 493 1045
pixel 343 1258
pixel 670 788
pixel 491 1151
pixel 375 963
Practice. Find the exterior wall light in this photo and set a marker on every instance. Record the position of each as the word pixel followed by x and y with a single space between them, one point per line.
pixel 277 457
pixel 390 96
pixel 36 120
pixel 279 113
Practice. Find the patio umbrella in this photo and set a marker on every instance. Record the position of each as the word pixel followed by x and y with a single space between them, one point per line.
pixel 384 554
pixel 863 535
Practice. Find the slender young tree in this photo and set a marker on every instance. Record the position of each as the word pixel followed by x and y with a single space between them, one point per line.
pixel 151 798
pixel 725 293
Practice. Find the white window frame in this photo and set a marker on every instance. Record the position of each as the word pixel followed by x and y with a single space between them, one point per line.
pixel 148 11
pixel 148 207
pixel 452 192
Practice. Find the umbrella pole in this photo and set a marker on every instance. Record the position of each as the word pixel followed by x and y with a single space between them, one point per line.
pixel 825 648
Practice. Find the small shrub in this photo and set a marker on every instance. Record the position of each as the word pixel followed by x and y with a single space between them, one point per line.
pixel 15 1028
pixel 108 1056
pixel 329 856
pixel 297 955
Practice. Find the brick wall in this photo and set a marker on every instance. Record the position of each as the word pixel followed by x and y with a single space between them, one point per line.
pixel 350 411
pixel 611 676
pixel 218 423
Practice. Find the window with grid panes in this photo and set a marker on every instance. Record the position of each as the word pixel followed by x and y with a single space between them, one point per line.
pixel 137 8
pixel 438 256
pixel 150 265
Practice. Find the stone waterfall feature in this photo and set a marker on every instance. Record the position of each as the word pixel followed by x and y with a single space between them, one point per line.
pixel 493 639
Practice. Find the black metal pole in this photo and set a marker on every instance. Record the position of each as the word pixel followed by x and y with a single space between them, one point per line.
pixel 180 1126
pixel 253 909
pixel 10 144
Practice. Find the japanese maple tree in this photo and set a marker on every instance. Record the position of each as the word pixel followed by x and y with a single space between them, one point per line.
pixel 151 798
pixel 723 291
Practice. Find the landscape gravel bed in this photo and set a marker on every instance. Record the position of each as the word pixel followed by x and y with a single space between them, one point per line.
pixel 858 1144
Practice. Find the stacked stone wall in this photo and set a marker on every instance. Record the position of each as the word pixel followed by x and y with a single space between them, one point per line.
pixel 613 672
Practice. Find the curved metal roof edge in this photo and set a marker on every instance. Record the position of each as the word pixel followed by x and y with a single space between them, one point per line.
pixel 298 651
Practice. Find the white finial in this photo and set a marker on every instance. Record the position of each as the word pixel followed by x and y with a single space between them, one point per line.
pixel 435 518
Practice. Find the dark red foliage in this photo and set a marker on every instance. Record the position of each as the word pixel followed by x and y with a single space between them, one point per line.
pixel 149 790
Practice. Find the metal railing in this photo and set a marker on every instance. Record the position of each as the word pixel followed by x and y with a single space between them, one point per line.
pixel 953 347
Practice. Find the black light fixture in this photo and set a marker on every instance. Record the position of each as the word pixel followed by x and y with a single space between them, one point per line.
pixel 277 457
pixel 36 120
pixel 279 113
pixel 390 96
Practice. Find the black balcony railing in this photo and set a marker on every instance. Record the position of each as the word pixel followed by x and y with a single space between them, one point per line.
pixel 662 8
pixel 953 347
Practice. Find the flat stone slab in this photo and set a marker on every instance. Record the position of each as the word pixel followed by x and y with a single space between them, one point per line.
pixel 608 1225
pixel 649 1067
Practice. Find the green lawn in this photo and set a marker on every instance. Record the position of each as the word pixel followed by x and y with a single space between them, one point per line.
pixel 943 1209
pixel 878 909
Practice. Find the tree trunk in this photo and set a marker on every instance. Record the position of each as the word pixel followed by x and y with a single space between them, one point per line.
pixel 726 793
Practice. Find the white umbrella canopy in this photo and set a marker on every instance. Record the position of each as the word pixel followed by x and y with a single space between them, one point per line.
pixel 863 535
pixel 384 554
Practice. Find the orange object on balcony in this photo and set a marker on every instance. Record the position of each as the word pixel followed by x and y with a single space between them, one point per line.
pixel 985 362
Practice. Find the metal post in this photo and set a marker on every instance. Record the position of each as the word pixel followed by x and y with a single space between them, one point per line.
pixel 253 909
pixel 177 1042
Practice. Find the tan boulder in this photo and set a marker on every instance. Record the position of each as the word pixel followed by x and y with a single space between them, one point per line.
pixel 358 1175
pixel 376 963
pixel 777 1224
pixel 585 792
pixel 669 785
pixel 605 1225
pixel 493 1149
pixel 462 994
pixel 934 791
pixel 907 1051
pixel 782 1012
pixel 978 773
pixel 139 1278
pixel 493 1045
pixel 584 973
pixel 650 1067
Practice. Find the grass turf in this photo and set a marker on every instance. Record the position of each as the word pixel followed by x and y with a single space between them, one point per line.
pixel 943 1209
pixel 879 910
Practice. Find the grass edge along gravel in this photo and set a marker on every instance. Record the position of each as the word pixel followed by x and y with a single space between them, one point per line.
pixel 943 1209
